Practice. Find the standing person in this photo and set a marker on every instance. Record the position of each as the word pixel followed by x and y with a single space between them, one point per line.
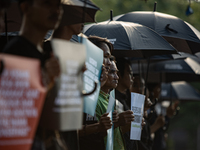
pixel 103 101
pixel 39 16
pixel 65 33
pixel 139 87
pixel 107 48
pixel 93 131
pixel 158 122
pixel 125 118
pixel 123 96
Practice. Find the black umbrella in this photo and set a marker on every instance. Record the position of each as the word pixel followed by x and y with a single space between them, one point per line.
pixel 78 11
pixel 75 11
pixel 179 91
pixel 183 36
pixel 187 69
pixel 131 39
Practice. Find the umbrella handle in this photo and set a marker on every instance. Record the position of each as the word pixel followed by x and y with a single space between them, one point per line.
pixel 89 93
pixel 1 66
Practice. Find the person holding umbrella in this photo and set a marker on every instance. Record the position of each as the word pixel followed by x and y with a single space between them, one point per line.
pixel 139 87
pixel 39 16
pixel 159 123
pixel 122 94
pixel 66 29
pixel 91 134
pixel 102 105
pixel 37 20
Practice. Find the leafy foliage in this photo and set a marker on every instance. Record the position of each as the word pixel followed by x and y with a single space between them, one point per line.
pixel 172 7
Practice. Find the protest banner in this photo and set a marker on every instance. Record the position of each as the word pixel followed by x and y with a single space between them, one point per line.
pixel 21 101
pixel 94 61
pixel 63 109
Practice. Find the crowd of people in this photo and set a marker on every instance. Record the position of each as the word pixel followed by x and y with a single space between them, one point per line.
pixel 40 16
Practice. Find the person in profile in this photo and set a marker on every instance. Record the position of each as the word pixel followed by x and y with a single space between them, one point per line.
pixel 93 130
pixel 38 16
pixel 122 94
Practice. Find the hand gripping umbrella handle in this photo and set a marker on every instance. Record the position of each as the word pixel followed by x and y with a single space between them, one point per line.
pixel 89 93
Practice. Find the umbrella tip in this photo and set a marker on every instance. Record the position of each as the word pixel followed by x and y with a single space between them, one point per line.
pixel 111 15
pixel 155 3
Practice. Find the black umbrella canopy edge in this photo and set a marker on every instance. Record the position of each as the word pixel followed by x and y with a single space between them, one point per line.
pixel 173 86
pixel 168 29
pixel 94 29
pixel 141 53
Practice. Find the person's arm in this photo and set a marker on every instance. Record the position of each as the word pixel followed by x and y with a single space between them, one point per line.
pixel 124 121
pixel 160 122
pixel 101 127
pixel 50 71
pixel 171 110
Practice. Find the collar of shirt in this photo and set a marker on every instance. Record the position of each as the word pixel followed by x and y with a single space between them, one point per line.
pixel 104 95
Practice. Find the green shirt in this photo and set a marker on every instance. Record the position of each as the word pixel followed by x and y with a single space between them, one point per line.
pixel 101 108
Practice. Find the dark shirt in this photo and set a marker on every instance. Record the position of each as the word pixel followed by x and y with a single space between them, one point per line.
pixel 159 142
pixel 125 99
pixel 146 141
pixel 93 141
pixel 20 46
pixel 70 138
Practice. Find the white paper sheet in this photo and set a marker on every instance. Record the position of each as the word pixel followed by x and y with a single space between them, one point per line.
pixel 137 106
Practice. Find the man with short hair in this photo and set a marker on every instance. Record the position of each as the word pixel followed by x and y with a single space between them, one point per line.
pixel 122 94
pixel 139 87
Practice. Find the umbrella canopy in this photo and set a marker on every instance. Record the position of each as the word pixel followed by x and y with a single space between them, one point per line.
pixel 73 13
pixel 179 91
pixel 183 36
pixel 131 39
pixel 140 65
pixel 187 69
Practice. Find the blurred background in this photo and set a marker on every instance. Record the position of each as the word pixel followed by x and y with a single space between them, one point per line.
pixel 184 130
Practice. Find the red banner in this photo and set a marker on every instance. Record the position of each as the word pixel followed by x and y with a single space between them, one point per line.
pixel 21 100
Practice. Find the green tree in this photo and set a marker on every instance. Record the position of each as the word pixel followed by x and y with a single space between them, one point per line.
pixel 173 7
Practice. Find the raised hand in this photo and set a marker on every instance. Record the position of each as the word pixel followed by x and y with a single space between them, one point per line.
pixel 105 122
pixel 115 117
pixel 125 117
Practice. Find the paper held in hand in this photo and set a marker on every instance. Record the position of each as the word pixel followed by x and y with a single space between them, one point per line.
pixel 21 100
pixel 137 106
pixel 94 61
pixel 63 108
pixel 110 132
